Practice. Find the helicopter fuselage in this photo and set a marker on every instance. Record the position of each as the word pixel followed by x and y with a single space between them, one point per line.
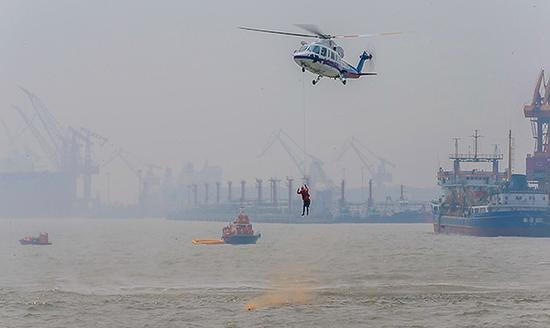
pixel 323 60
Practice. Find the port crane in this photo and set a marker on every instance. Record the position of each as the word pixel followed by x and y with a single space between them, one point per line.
pixel 379 173
pixel 324 57
pixel 68 149
pixel 298 156
pixel 538 111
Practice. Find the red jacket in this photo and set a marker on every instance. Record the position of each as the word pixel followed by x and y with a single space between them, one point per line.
pixel 304 191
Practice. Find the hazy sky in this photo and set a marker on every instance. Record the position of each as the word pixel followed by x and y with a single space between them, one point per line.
pixel 176 81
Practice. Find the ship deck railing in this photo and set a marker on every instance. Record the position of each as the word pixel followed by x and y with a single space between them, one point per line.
pixel 476 157
pixel 470 173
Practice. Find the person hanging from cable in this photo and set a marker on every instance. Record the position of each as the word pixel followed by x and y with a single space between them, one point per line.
pixel 304 192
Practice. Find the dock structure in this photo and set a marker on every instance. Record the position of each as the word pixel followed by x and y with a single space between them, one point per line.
pixel 259 185
pixel 290 186
pixel 243 191
pixel 229 191
pixel 274 194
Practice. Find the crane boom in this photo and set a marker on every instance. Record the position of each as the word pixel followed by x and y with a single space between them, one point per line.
pixel 378 172
pixel 378 157
pixel 295 151
pixel 50 153
pixel 276 136
pixel 362 158
pixel 8 133
pixel 53 129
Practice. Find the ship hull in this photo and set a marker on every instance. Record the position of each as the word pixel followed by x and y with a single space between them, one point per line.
pixel 510 223
pixel 399 217
pixel 27 242
pixel 241 239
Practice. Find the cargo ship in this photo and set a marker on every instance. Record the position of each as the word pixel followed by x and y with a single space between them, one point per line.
pixel 240 231
pixel 488 203
pixel 404 216
pixel 384 213
pixel 389 211
pixel 42 239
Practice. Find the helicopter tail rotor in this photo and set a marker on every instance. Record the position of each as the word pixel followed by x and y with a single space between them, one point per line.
pixel 371 59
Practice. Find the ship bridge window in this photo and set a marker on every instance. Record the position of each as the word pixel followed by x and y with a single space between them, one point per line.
pixel 323 51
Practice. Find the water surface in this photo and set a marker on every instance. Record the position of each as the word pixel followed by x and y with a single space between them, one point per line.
pixel 147 273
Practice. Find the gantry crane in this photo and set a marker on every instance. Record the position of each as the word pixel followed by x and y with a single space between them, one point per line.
pixel 379 173
pixel 538 164
pixel 300 158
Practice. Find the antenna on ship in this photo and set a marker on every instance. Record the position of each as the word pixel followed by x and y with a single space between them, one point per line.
pixel 476 136
pixel 241 209
pixel 456 146
pixel 509 154
pixel 370 202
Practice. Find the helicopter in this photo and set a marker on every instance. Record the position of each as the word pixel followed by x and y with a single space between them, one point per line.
pixel 324 57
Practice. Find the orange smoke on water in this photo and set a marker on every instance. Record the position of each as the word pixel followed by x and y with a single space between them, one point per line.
pixel 284 294
pixel 281 297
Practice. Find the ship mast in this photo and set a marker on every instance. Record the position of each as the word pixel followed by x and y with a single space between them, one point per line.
pixel 456 146
pixel 476 136
pixel 509 154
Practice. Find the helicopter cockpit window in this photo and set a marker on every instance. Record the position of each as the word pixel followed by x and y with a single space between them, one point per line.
pixel 315 49
pixel 323 51
pixel 332 56
pixel 303 48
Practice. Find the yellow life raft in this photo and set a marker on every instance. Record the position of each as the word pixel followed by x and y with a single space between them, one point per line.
pixel 208 241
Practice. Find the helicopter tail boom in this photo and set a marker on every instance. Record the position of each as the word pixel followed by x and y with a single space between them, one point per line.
pixel 353 75
pixel 364 57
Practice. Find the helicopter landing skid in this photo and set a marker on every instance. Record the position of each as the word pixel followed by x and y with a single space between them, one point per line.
pixel 316 80
pixel 343 79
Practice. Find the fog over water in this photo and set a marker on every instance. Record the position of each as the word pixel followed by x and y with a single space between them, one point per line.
pixel 177 82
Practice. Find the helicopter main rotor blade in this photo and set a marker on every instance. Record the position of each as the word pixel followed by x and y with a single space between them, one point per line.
pixel 353 36
pixel 315 30
pixel 277 32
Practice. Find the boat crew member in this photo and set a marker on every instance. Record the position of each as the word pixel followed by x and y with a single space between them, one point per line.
pixel 304 192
